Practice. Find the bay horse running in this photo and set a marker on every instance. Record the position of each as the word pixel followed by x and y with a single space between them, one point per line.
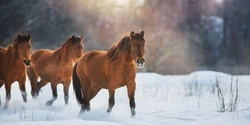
pixel 55 67
pixel 13 62
pixel 109 70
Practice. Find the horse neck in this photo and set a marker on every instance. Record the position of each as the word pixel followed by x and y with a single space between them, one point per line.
pixel 13 53
pixel 125 57
pixel 61 55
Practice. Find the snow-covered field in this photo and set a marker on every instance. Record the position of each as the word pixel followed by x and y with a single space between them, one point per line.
pixel 160 100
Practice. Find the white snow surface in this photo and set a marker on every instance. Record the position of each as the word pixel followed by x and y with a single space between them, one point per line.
pixel 160 100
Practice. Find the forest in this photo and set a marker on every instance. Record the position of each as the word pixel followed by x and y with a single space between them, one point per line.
pixel 182 36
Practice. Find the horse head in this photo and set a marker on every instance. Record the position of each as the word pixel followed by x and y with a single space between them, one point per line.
pixel 137 48
pixel 23 46
pixel 75 46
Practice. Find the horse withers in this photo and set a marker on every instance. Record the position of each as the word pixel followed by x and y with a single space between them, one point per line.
pixel 13 62
pixel 110 70
pixel 55 67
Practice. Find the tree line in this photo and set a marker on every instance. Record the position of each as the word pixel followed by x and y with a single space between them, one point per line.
pixel 182 35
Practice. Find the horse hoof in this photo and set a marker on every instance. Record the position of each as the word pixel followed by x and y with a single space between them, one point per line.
pixel 88 109
pixel 82 111
pixel 132 112
pixel 109 110
pixel 66 103
pixel 6 106
pixel 35 96
pixel 49 103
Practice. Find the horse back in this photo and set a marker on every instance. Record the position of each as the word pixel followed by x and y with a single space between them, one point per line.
pixel 41 53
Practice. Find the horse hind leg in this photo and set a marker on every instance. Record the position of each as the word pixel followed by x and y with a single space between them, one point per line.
pixel 111 100
pixel 40 84
pixel 93 91
pixel 85 85
pixel 54 92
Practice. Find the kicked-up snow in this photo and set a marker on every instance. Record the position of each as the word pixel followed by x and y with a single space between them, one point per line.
pixel 160 100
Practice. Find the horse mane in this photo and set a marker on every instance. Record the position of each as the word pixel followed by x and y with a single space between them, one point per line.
pixel 73 39
pixel 12 50
pixel 62 51
pixel 21 38
pixel 119 48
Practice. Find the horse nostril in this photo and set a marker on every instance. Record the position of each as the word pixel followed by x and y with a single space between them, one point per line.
pixel 27 62
pixel 138 61
pixel 143 60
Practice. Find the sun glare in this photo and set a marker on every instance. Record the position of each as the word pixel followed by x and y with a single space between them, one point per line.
pixel 218 1
pixel 122 2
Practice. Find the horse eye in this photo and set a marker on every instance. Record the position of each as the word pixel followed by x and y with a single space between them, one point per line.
pixel 73 48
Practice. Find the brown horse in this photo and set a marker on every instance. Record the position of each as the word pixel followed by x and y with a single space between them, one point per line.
pixel 12 65
pixel 55 67
pixel 110 70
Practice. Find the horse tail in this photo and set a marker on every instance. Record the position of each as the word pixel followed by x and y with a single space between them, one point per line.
pixel 77 85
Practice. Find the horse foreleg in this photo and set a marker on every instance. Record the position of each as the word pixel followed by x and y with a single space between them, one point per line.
pixel 66 92
pixel 33 80
pixel 111 100
pixel 8 95
pixel 131 94
pixel 54 92
pixel 22 88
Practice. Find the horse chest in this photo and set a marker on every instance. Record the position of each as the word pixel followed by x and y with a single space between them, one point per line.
pixel 16 72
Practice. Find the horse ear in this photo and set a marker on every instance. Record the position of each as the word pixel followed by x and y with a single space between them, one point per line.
pixel 29 37
pixel 132 34
pixel 82 37
pixel 142 33
pixel 73 37
pixel 19 37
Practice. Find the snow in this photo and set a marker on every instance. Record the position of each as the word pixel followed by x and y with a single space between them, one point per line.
pixel 160 99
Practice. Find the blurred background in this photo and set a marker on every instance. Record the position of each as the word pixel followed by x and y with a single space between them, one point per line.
pixel 182 36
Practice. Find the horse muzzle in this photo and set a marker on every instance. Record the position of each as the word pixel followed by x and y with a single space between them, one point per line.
pixel 140 62
pixel 27 62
